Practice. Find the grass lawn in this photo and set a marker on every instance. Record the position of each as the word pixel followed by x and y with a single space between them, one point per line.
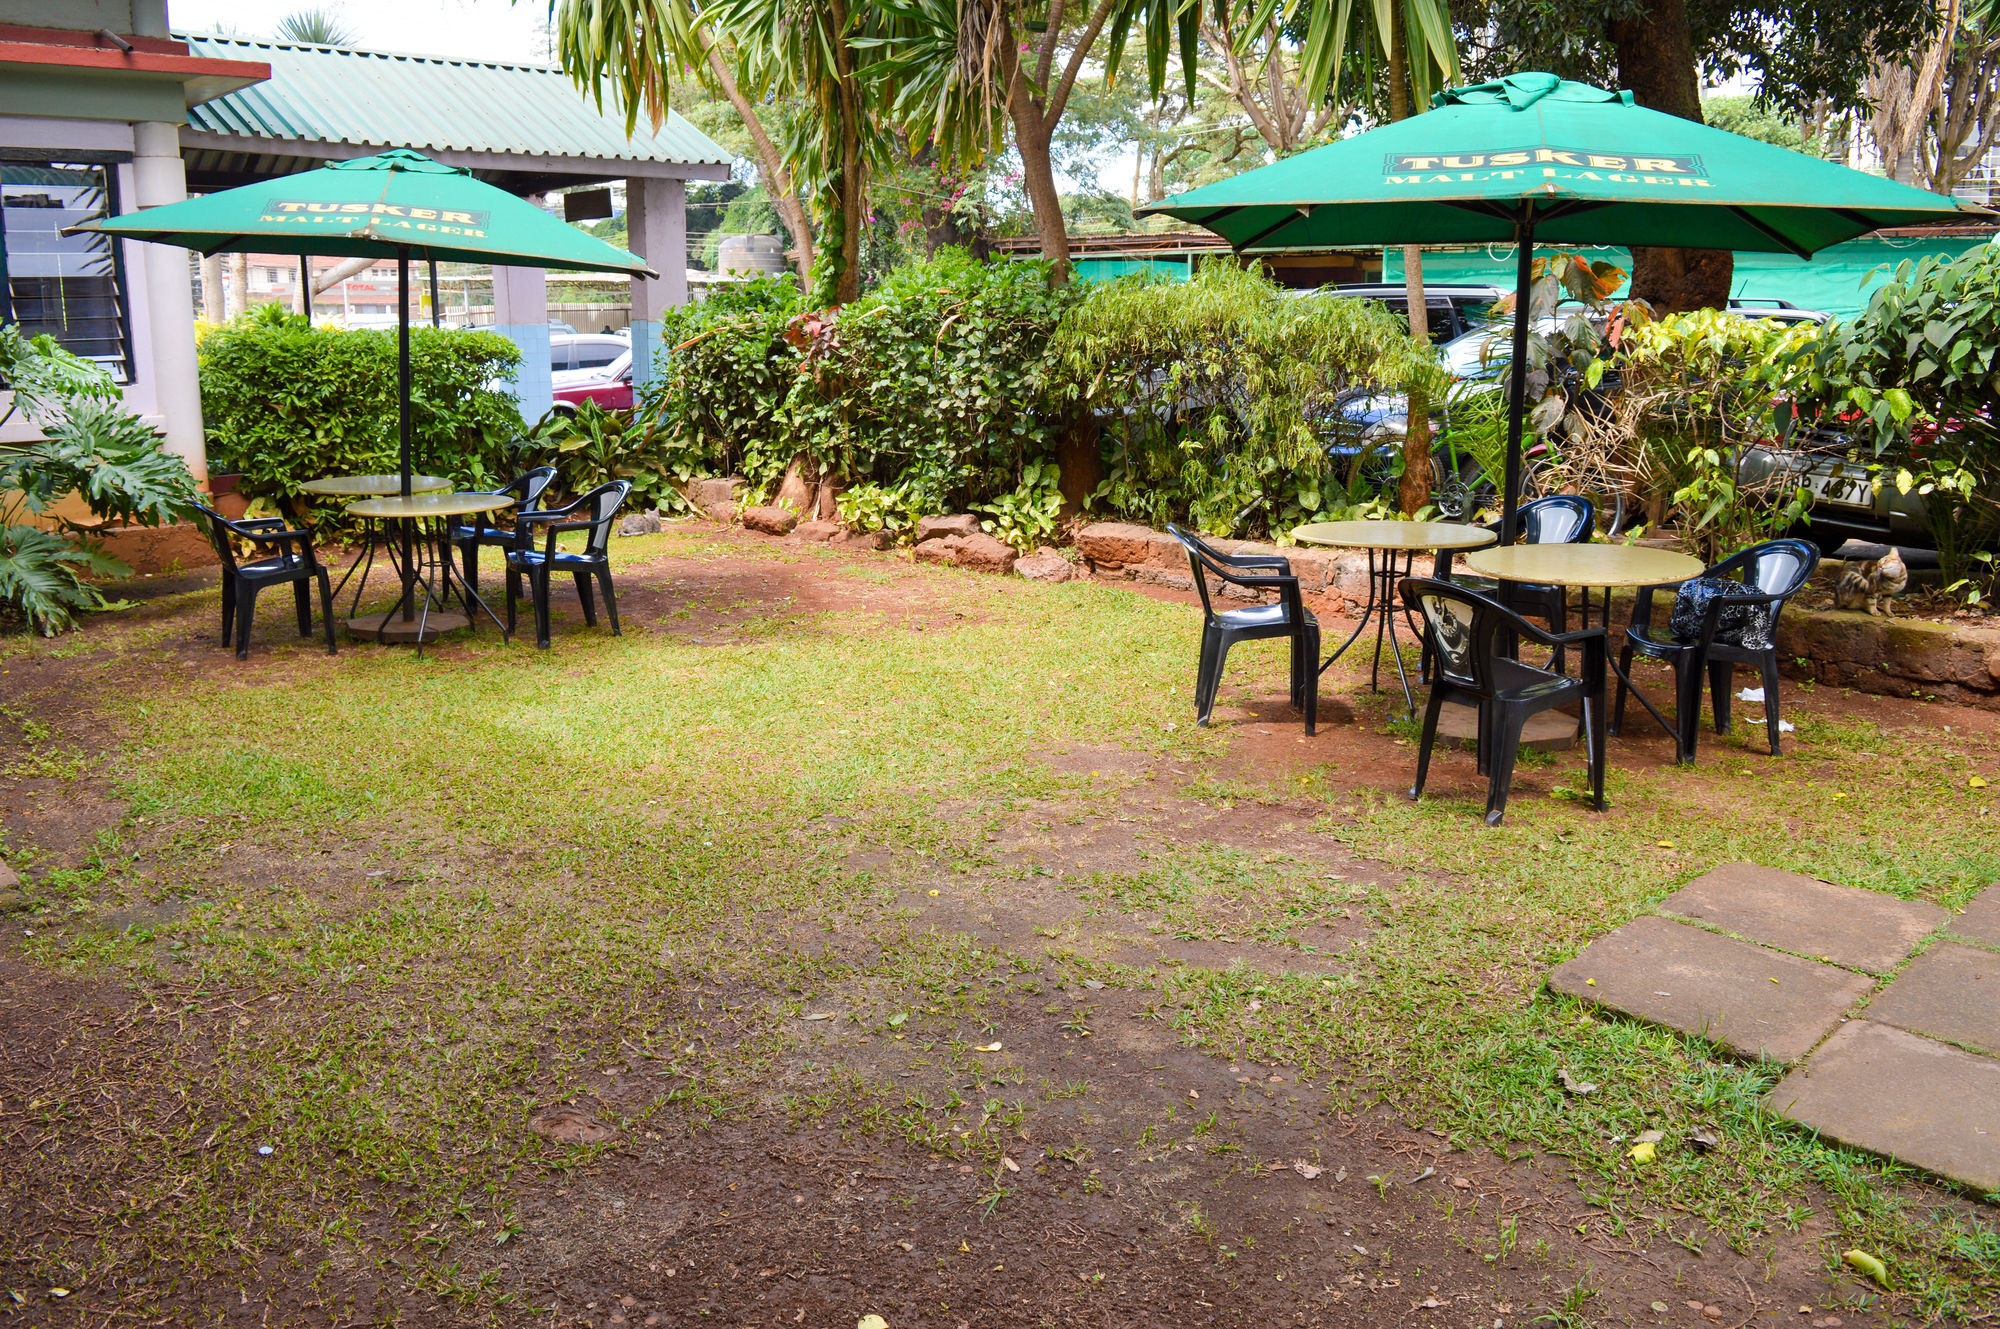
pixel 853 936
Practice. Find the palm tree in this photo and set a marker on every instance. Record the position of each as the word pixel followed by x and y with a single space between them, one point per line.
pixel 746 50
pixel 960 71
pixel 315 27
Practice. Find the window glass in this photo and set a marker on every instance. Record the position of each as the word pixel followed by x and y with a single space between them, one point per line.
pixel 597 354
pixel 65 286
pixel 562 357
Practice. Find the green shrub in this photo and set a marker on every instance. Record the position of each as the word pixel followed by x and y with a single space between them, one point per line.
pixel 1212 392
pixel 1921 365
pixel 286 403
pixel 595 446
pixel 721 380
pixel 939 375
pixel 90 446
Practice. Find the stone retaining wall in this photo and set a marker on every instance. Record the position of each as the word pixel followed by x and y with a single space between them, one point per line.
pixel 1893 657
pixel 1139 553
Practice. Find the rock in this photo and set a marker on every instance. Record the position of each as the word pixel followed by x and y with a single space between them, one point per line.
pixel 932 528
pixel 1045 564
pixel 770 521
pixel 816 530
pixel 10 880
pixel 569 1125
pixel 1110 546
pixel 984 553
pixel 793 491
pixel 716 490
pixel 12 902
pixel 940 550
pixel 865 540
pixel 639 523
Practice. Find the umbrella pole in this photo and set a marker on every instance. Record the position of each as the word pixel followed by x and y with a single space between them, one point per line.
pixel 1517 375
pixel 403 417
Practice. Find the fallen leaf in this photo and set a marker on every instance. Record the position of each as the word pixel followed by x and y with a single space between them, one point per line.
pixel 1840 793
pixel 1864 1263
pixel 964 1249
pixel 1255 1006
pixel 1305 1169
pixel 1666 844
pixel 820 1015
pixel 1009 1164
pixel 1340 1174
pixel 1660 1308
pixel 1712 1313
pixel 1704 1140
pixel 1194 1093
pixel 899 1019
pixel 1641 1153
pixel 871 1322
pixel 1093 985
pixel 994 1046
pixel 59 1292
pixel 933 894
pixel 1649 1137
pixel 1425 1175
pixel 1590 982
pixel 1574 1085
pixel 1976 782
pixel 569 1125
pixel 1461 1183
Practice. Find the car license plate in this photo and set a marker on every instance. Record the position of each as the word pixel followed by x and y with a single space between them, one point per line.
pixel 1843 487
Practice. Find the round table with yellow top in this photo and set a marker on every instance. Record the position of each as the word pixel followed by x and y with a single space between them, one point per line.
pixel 426 522
pixel 1593 567
pixel 1392 549
pixel 373 536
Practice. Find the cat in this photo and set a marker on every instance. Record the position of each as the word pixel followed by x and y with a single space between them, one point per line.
pixel 1871 585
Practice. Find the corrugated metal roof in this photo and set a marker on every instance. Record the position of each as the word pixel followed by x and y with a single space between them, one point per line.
pixel 373 99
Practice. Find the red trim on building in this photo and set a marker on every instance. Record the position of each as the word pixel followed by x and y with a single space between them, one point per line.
pixel 21 32
pixel 54 48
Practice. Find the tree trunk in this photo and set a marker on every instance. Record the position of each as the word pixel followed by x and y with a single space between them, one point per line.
pixel 1656 61
pixel 1032 134
pixel 1415 489
pixel 770 168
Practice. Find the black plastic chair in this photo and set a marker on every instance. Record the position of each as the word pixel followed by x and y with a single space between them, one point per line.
pixel 525 489
pixel 1473 664
pixel 1223 628
pixel 593 513
pixel 292 559
pixel 1771 573
pixel 1561 519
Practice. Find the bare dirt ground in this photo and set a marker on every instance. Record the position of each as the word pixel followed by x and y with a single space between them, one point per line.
pixel 1153 1184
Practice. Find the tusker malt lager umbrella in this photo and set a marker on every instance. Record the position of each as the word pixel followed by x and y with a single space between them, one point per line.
pixel 1535 157
pixel 399 205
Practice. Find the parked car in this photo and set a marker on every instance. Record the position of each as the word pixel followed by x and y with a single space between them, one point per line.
pixel 610 386
pixel 585 351
pixel 1453 311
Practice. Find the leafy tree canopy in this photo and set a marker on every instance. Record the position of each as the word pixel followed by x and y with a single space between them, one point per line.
pixel 1801 53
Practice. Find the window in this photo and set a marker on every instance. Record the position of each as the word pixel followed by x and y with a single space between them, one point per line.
pixel 597 354
pixel 562 357
pixel 67 286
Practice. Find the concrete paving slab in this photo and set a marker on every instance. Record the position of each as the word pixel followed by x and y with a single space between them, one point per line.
pixel 1859 929
pixel 1720 988
pixel 1893 1093
pixel 1950 992
pixel 1981 919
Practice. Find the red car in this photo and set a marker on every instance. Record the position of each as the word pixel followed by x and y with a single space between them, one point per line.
pixel 610 387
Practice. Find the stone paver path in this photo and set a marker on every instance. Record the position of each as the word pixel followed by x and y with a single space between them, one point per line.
pixel 1888 1079
pixel 1858 929
pixel 1911 1098
pixel 1718 987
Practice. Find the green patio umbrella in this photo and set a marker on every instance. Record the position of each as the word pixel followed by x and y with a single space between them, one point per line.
pixel 399 205
pixel 1536 157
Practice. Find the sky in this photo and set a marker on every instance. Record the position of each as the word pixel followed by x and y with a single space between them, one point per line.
pixel 471 29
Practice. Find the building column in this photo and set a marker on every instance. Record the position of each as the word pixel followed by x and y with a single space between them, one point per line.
pixel 158 177
pixel 656 229
pixel 521 314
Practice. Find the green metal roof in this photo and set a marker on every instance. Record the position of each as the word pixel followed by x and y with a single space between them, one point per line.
pixel 323 94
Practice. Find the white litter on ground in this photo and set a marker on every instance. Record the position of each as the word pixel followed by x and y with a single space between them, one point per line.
pixel 1750 694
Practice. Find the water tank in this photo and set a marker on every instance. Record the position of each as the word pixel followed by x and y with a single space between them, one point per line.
pixel 751 254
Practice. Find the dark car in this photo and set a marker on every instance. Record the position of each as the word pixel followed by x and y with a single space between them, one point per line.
pixel 1453 311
